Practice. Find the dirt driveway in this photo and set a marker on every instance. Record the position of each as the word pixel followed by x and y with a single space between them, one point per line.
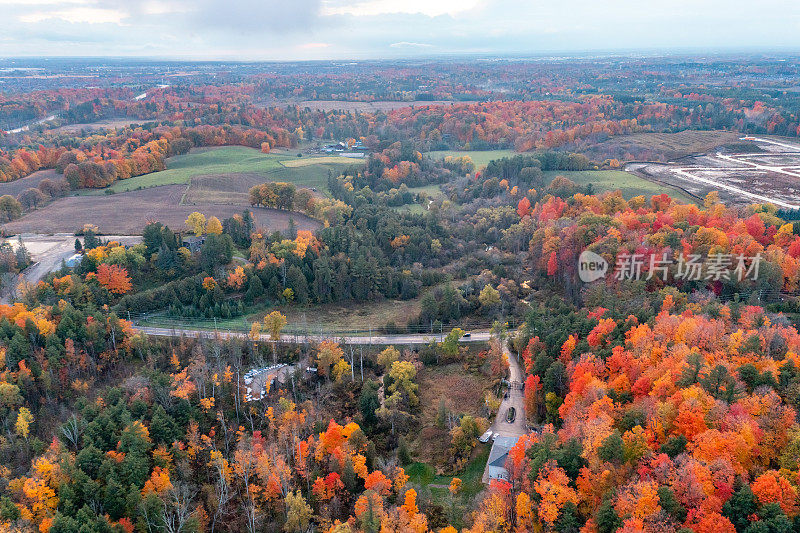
pixel 48 251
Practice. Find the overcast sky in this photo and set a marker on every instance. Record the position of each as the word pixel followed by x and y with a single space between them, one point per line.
pixel 320 29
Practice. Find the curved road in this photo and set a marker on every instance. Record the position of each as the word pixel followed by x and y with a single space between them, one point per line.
pixel 47 251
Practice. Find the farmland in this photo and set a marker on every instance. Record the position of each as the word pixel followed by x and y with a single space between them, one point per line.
pixel 127 213
pixel 481 158
pixel 238 160
pixel 660 146
pixel 214 181
pixel 17 186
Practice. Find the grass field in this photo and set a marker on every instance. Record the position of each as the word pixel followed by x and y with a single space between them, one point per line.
pixel 231 160
pixel 433 190
pixel 425 475
pixel 481 158
pixel 629 184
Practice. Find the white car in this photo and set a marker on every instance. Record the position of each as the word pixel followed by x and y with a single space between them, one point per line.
pixel 486 436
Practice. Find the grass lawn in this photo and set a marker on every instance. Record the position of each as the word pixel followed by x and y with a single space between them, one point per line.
pixel 629 184
pixel 481 158
pixel 414 209
pixel 424 476
pixel 433 191
pixel 239 160
pixel 312 173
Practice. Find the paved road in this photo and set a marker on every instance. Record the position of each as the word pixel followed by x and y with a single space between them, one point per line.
pixel 516 399
pixel 508 434
pixel 478 336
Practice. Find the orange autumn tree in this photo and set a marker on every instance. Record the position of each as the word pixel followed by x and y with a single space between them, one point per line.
pixel 114 278
pixel 553 488
pixel 771 487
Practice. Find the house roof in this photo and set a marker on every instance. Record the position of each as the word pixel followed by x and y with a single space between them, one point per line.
pixel 498 455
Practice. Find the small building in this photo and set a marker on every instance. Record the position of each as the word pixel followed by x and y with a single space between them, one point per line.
pixel 259 381
pixel 73 260
pixel 496 465
pixel 193 243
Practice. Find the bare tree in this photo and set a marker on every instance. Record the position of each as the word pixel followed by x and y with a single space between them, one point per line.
pixel 72 430
pixel 176 513
pixel 222 486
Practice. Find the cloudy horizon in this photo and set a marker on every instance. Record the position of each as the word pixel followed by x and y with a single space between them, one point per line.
pixel 366 29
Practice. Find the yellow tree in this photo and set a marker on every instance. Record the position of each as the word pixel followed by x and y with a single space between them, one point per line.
pixel 298 512
pixel 274 322
pixel 24 421
pixel 328 355
pixel 197 223
pixel 340 370
pixel 214 226
pixel 387 357
pixel 524 513
pixel 255 331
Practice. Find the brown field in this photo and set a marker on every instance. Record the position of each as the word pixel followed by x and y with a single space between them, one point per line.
pixel 99 125
pixel 668 145
pixel 463 393
pixel 17 186
pixel 348 317
pixel 335 159
pixel 231 189
pixel 127 213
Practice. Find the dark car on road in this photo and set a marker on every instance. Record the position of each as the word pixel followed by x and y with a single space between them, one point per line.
pixel 511 414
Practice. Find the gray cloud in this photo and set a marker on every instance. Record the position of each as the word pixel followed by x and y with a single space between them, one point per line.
pixel 276 16
pixel 272 29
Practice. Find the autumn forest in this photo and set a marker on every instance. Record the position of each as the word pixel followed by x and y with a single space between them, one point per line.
pixel 441 295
